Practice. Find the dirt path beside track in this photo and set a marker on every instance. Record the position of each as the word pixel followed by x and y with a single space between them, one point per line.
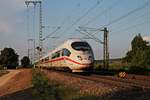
pixel 8 76
pixel 14 81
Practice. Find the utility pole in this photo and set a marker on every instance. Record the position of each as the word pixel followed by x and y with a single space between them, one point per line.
pixel 104 42
pixel 31 44
pixel 105 49
pixel 40 31
pixel 29 49
pixel 40 24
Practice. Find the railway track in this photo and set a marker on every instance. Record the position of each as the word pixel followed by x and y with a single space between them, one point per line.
pixel 102 80
pixel 125 82
pixel 113 81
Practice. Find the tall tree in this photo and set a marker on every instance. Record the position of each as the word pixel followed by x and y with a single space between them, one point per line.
pixel 25 61
pixel 139 54
pixel 138 43
pixel 146 56
pixel 9 58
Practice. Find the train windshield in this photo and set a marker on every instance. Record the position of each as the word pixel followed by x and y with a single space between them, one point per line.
pixel 80 46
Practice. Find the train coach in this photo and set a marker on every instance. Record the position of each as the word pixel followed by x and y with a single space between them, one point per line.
pixel 74 54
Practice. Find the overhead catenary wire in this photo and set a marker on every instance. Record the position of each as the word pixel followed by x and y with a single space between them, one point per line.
pixel 66 19
pixel 28 35
pixel 93 30
pixel 132 19
pixel 51 33
pixel 104 11
pixel 63 22
pixel 129 13
pixel 89 35
pixel 40 24
pixel 89 28
pixel 126 15
pixel 85 14
pixel 27 22
pixel 133 26
pixel 34 34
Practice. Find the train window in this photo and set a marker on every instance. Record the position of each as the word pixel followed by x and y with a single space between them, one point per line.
pixel 66 52
pixel 56 55
pixel 81 46
pixel 47 58
pixel 53 56
pixel 42 60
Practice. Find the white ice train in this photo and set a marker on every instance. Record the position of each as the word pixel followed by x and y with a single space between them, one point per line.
pixel 74 54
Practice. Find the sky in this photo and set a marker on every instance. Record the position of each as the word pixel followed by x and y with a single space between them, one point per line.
pixel 62 18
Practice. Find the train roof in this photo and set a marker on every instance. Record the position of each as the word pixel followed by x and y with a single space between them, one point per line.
pixel 67 42
pixel 73 40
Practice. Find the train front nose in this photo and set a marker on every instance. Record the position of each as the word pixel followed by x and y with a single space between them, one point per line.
pixel 83 55
pixel 86 61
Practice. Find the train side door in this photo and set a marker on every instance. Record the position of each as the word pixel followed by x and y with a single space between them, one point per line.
pixel 63 57
pixel 60 56
pixel 66 53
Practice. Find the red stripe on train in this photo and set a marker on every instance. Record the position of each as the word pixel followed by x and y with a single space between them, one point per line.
pixel 65 58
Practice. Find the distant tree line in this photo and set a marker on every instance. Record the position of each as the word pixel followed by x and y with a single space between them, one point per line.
pixel 25 61
pixel 139 55
pixel 10 59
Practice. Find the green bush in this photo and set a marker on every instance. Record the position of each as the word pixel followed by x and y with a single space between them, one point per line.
pixel 45 90
pixel 1 67
pixel 97 66
pixel 137 70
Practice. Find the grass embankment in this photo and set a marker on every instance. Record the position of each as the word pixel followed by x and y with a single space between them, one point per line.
pixel 116 66
pixel 43 89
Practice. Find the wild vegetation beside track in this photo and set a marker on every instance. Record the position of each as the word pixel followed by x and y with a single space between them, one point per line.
pixel 98 89
pixel 54 85
pixel 136 60
pixel 117 66
pixel 46 89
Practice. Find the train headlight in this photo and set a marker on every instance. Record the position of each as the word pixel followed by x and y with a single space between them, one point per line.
pixel 79 57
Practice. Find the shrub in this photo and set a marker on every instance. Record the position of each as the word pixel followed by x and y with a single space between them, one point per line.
pixel 1 67
pixel 45 90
